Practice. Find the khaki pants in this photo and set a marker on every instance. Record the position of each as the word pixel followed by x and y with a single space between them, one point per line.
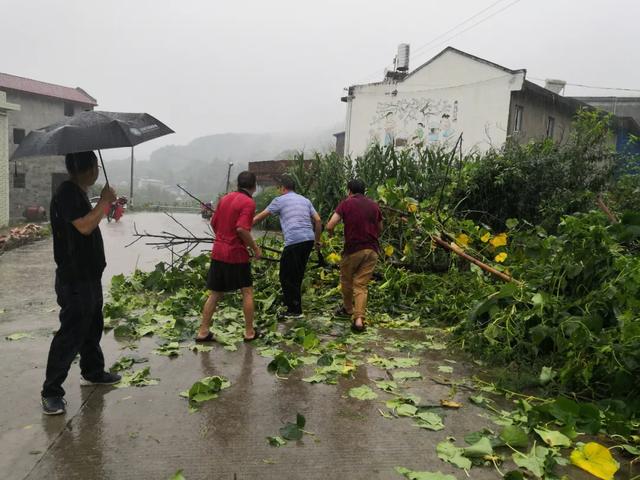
pixel 356 270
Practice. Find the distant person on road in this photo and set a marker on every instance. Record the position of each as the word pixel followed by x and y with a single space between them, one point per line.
pixel 362 226
pixel 230 268
pixel 79 255
pixel 302 227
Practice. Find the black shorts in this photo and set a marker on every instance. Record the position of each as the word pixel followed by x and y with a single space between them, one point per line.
pixel 228 277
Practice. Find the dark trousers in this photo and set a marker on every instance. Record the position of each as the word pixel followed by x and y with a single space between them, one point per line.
pixel 80 332
pixel 292 265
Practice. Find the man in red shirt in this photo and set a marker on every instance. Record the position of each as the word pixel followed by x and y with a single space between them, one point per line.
pixel 362 226
pixel 230 268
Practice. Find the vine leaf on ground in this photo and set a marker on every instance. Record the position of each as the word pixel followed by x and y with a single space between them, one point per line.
pixel 414 475
pixel 363 392
pixel 595 459
pixel 293 431
pixel 553 438
pixel 448 452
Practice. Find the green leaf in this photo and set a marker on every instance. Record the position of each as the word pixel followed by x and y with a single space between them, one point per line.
pixel 445 369
pixel 300 420
pixel 479 399
pixel 448 452
pixel 177 476
pixel 276 441
pixel 534 461
pixel 514 436
pixel 386 385
pixel 393 362
pixel 429 421
pixel 363 392
pixel 547 374
pixel 282 364
pixel 553 438
pixel 316 378
pixel 406 375
pixel 17 336
pixel 480 449
pixel 414 475
pixel 171 349
pixel 198 348
pixel 406 410
pixel 139 378
pixel 291 431
pixel 205 389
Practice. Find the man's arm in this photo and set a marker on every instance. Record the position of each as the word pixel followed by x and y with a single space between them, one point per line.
pixel 333 221
pixel 87 224
pixel 247 239
pixel 261 216
pixel 317 227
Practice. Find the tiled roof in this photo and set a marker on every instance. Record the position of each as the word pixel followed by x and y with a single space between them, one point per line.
pixel 21 84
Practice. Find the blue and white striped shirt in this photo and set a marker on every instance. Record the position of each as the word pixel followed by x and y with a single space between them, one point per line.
pixel 295 213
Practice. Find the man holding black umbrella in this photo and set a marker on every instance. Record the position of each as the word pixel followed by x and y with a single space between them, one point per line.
pixel 79 254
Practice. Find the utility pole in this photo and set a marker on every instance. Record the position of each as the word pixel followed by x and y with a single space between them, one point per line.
pixel 226 190
pixel 131 184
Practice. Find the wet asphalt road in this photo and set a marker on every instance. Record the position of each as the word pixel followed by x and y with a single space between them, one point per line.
pixel 148 433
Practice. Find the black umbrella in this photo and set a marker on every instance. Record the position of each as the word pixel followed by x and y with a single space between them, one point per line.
pixel 91 130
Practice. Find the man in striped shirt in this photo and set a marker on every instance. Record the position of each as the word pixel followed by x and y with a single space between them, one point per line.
pixel 301 226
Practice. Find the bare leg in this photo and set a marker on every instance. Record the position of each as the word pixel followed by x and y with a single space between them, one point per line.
pixel 247 308
pixel 207 312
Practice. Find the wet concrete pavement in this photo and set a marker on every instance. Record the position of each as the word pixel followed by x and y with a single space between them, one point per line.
pixel 148 433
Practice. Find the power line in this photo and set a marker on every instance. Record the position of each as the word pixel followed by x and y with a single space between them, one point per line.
pixel 421 47
pixel 594 87
pixel 474 25
pixel 472 17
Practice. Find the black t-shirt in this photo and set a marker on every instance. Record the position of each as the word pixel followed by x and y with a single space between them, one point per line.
pixel 79 257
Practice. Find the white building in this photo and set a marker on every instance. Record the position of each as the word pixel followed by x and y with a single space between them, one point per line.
pixel 454 93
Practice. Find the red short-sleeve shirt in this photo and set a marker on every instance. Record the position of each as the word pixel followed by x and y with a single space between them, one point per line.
pixel 236 209
pixel 361 217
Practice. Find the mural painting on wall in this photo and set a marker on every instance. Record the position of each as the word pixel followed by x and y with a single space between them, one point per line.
pixel 409 121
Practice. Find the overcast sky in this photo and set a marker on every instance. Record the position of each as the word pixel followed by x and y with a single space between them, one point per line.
pixel 220 66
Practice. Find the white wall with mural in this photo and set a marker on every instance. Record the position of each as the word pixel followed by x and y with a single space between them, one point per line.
pixel 451 95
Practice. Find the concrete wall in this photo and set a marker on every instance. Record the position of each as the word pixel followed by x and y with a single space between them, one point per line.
pixel 5 108
pixel 537 108
pixel 452 94
pixel 36 112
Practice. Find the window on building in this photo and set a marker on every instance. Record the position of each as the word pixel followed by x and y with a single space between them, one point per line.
pixel 19 180
pixel 68 109
pixel 517 121
pixel 18 135
pixel 551 125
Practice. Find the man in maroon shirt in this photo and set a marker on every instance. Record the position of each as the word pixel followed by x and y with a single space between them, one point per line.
pixel 230 268
pixel 362 226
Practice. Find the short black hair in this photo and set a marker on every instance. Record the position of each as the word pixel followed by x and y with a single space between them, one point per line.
pixel 246 180
pixel 80 162
pixel 356 186
pixel 287 182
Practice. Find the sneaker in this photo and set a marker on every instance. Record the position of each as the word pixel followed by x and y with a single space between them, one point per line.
pixel 105 378
pixel 289 315
pixel 53 405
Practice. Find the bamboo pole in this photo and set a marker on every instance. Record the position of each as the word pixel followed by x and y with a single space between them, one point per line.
pixel 458 251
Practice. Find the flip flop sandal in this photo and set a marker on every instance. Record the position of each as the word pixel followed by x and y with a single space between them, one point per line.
pixel 256 335
pixel 208 338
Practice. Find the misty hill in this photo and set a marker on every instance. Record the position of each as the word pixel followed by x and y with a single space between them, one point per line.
pixel 201 165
